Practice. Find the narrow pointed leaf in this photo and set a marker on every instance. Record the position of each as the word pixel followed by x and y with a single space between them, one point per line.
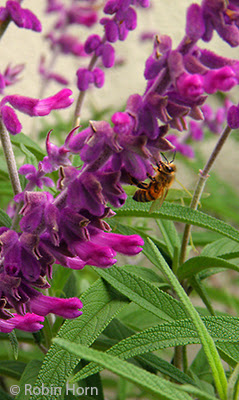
pixel 178 213
pixel 145 294
pixel 148 381
pixel 170 334
pixel 197 264
pixel 101 304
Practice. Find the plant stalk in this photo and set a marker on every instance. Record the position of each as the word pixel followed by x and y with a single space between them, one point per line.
pixel 10 159
pixel 203 175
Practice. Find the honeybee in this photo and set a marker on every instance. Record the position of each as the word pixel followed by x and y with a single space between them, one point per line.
pixel 159 184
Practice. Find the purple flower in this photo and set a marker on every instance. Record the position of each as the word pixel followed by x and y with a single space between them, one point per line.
pixel 32 107
pixel 56 156
pixel 195 27
pixel 233 117
pixel 22 17
pixel 223 79
pixel 51 75
pixel 220 16
pixel 35 177
pixel 86 77
pixel 10 76
pixel 66 308
pixel 68 44
pixel 28 322
pixel 182 148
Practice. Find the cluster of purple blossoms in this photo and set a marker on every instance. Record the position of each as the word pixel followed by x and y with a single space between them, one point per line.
pixel 71 229
pixel 213 122
pixel 123 18
pixel 62 41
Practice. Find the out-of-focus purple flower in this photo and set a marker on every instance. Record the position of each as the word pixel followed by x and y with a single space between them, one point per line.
pixel 66 308
pixel 182 148
pixel 54 5
pixel 22 17
pixel 68 44
pixel 51 75
pixel 28 322
pixel 10 76
pixel 233 117
pixel 92 43
pixel 196 130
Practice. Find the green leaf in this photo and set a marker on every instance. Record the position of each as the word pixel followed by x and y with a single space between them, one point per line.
pixel 147 274
pixel 30 157
pixel 206 340
pixel 28 378
pixel 32 146
pixel 170 334
pixel 170 235
pixel 197 264
pixel 223 248
pixel 5 220
pixel 101 304
pixel 145 294
pixel 12 369
pixel 229 352
pixel 117 331
pixel 178 213
pixel 148 381
pixel 14 343
pixel 4 395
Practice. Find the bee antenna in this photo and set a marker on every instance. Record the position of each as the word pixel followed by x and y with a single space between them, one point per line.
pixel 165 157
pixel 174 155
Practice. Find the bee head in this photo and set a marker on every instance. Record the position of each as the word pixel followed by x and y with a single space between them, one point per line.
pixel 167 168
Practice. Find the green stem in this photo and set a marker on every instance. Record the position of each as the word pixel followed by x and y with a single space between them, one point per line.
pixel 203 175
pixel 233 384
pixel 206 340
pixel 10 159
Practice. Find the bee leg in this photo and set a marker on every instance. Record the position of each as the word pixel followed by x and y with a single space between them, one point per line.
pixel 141 185
pixel 150 177
pixel 163 197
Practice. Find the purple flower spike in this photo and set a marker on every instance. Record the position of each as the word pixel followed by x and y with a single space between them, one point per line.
pixel 66 308
pixel 233 117
pixel 28 322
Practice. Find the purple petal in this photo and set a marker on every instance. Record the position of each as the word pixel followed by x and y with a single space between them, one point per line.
pixel 233 117
pixel 10 120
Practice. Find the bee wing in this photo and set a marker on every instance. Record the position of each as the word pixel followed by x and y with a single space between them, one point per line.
pixel 156 205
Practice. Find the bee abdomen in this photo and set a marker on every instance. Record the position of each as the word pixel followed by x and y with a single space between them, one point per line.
pixel 143 196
